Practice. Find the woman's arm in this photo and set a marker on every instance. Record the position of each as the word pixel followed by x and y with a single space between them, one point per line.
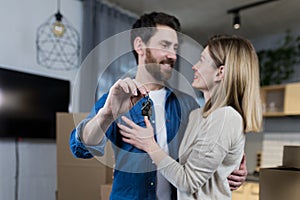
pixel 207 152
pixel 142 138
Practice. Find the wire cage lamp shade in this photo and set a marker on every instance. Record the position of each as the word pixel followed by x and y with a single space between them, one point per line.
pixel 58 44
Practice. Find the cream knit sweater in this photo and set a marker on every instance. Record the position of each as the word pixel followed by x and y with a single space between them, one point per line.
pixel 211 149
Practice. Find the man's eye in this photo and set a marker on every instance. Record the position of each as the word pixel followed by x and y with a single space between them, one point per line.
pixel 164 45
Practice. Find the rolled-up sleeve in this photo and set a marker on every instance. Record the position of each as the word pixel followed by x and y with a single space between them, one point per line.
pixel 78 148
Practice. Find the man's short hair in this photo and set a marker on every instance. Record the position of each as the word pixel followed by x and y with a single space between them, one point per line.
pixel 151 20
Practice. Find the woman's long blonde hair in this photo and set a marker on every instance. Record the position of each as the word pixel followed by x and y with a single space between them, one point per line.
pixel 240 85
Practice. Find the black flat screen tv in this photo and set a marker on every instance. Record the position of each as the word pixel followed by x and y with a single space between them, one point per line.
pixel 28 104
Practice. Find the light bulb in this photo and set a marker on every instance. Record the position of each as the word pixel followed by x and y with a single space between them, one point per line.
pixel 236 21
pixel 58 28
pixel 236 26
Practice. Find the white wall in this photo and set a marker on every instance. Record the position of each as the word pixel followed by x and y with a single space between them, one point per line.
pixel 19 22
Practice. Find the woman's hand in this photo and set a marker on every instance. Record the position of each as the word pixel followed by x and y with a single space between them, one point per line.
pixel 140 137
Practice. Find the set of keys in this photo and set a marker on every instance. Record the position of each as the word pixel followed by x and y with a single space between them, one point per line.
pixel 146 108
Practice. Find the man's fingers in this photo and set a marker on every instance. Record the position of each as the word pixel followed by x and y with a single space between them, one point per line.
pixel 235 178
pixel 121 84
pixel 233 188
pixel 142 88
pixel 131 85
pixel 234 184
pixel 239 173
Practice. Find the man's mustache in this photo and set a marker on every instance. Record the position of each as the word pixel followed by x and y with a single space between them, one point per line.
pixel 167 61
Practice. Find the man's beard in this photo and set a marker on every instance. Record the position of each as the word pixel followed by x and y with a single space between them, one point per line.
pixel 153 67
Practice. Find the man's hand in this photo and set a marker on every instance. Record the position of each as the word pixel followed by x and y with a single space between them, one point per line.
pixel 237 177
pixel 122 96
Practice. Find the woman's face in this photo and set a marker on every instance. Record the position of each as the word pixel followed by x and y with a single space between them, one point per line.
pixel 205 73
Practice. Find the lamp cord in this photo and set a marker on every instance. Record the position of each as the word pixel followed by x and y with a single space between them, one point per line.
pixel 17 169
pixel 58 5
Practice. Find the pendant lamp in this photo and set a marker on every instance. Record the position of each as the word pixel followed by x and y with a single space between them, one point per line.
pixel 58 43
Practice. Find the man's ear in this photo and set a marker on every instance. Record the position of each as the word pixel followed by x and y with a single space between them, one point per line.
pixel 139 46
pixel 220 73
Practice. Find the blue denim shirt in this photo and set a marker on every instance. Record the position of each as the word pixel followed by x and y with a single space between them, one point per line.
pixel 135 173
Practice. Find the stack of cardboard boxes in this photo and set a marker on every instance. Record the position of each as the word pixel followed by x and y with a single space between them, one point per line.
pixel 91 179
pixel 282 182
pixel 79 179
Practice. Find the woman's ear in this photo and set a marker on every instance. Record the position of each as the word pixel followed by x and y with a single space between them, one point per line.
pixel 220 73
pixel 139 46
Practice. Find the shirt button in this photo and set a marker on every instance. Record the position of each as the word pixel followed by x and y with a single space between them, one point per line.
pixel 153 121
pixel 151 183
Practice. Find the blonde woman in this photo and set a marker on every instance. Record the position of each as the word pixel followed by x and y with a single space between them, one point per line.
pixel 213 145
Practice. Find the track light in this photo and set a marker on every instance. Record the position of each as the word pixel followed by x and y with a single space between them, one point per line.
pixel 236 21
pixel 236 11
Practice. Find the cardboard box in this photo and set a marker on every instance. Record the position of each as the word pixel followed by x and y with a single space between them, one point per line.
pixel 105 191
pixel 77 178
pixel 279 184
pixel 247 191
pixel 291 156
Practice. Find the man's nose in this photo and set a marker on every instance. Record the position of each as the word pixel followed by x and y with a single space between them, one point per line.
pixel 172 55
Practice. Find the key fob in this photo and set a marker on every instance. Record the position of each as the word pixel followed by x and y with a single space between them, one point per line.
pixel 146 108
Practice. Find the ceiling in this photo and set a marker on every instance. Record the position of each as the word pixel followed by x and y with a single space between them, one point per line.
pixel 203 18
